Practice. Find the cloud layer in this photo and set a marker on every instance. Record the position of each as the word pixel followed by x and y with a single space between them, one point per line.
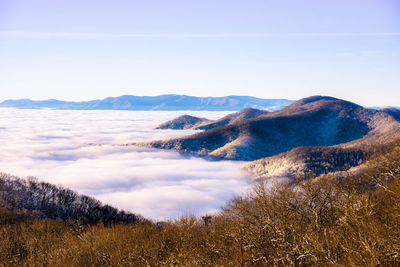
pixel 52 146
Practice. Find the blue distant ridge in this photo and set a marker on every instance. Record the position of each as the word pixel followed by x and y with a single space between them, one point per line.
pixel 162 102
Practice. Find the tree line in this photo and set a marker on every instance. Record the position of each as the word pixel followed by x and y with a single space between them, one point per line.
pixel 47 200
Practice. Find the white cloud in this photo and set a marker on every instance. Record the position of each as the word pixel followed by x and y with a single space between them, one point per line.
pixel 159 184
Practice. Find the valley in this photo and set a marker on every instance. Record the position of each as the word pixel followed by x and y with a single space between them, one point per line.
pixel 58 147
pixel 321 175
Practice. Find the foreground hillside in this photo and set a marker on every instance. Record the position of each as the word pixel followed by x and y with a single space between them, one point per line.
pixel 351 221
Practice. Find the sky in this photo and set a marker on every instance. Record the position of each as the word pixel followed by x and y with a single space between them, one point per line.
pixel 92 49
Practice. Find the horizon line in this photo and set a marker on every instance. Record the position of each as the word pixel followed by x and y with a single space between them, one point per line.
pixel 123 95
pixel 76 35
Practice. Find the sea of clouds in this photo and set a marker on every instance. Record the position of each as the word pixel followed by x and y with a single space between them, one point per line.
pixel 52 145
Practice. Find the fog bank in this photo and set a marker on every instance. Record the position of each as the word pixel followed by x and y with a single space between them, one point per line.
pixel 52 146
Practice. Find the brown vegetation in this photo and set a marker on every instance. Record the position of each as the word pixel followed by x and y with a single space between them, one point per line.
pixel 350 221
pixel 40 199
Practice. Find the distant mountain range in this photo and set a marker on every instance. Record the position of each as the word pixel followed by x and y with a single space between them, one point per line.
pixel 162 102
pixel 318 134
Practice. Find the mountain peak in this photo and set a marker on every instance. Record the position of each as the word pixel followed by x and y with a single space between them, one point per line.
pixel 315 98
pixel 315 103
pixel 313 121
pixel 182 122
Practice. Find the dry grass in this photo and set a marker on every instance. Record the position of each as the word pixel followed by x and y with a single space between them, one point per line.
pixel 321 222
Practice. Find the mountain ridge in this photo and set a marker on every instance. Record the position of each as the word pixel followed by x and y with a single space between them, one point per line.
pixel 197 123
pixel 314 133
pixel 161 102
pixel 183 122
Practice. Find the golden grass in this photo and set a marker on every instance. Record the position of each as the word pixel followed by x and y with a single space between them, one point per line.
pixel 325 222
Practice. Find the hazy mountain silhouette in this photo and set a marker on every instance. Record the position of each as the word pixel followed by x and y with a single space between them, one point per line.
pixel 162 102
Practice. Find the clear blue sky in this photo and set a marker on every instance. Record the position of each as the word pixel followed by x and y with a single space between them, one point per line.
pixel 88 49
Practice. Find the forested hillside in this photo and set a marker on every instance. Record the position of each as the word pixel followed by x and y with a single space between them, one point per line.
pixel 40 199
pixel 347 220
pixel 312 121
